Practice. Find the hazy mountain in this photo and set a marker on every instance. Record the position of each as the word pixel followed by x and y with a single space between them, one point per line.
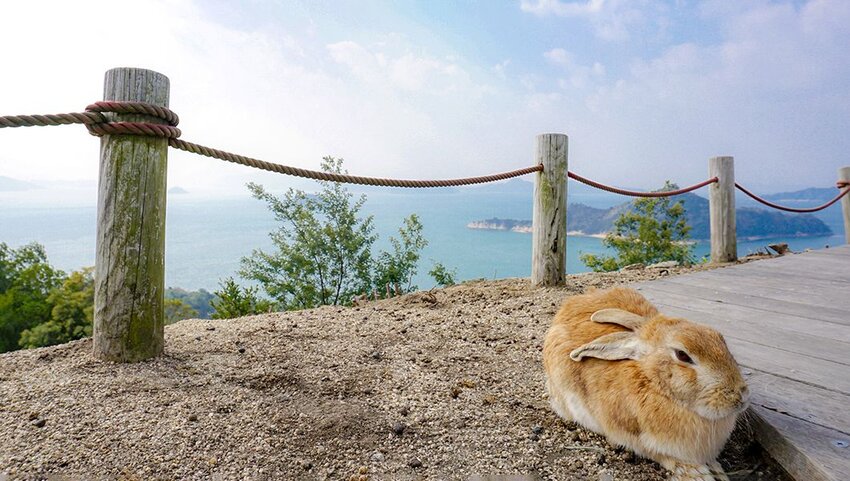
pixel 8 184
pixel 751 222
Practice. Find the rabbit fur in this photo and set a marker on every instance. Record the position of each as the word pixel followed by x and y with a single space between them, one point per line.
pixel 666 388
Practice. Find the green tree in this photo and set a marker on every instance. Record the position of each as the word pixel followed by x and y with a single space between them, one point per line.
pixel 198 300
pixel 323 247
pixel 26 281
pixel 652 230
pixel 396 268
pixel 71 314
pixel 442 275
pixel 177 310
pixel 235 301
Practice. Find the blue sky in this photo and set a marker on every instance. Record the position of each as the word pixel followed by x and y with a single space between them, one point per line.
pixel 647 90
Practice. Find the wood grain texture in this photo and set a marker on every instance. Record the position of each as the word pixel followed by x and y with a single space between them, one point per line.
pixel 786 322
pixel 549 216
pixel 721 209
pixel 130 250
pixel 844 174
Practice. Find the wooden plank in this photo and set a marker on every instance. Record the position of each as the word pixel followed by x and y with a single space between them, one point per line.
pixel 805 344
pixel 734 314
pixel 750 277
pixel 809 403
pixel 801 274
pixel 549 213
pixel 813 300
pixel 813 267
pixel 835 251
pixel 823 313
pixel 807 451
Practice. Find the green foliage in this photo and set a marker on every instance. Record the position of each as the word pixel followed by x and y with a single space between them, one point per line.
pixel 26 281
pixel 653 230
pixel 71 315
pixel 396 268
pixel 198 300
pixel 323 248
pixel 177 310
pixel 235 301
pixel 443 276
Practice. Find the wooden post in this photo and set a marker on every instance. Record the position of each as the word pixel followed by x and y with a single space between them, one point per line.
pixel 844 174
pixel 549 217
pixel 721 206
pixel 130 251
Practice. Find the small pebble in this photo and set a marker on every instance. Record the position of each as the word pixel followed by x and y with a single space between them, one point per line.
pixel 377 355
pixel 404 411
pixel 39 423
pixel 363 470
pixel 377 457
pixel 537 430
pixel 600 459
pixel 415 463
pixel 398 428
pixel 603 476
pixel 241 350
pixel 211 328
pixel 193 417
pixel 307 465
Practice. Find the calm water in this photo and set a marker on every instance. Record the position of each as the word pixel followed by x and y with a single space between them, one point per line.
pixel 206 237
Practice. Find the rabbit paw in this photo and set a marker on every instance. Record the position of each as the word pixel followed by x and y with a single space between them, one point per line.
pixel 692 472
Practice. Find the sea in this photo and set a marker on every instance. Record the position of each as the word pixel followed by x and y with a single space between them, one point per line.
pixel 207 235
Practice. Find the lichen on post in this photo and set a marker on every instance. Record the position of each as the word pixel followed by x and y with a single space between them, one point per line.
pixel 549 215
pixel 130 248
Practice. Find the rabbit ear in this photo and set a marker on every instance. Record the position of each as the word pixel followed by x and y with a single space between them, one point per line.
pixel 613 347
pixel 618 316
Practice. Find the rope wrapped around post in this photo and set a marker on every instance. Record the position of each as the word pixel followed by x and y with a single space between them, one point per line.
pixel 98 124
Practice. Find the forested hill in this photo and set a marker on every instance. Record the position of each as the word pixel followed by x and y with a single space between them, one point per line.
pixel 751 222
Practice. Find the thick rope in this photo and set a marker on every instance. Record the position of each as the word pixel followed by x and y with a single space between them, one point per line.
pixel 350 179
pixel 632 193
pixel 98 124
pixel 840 184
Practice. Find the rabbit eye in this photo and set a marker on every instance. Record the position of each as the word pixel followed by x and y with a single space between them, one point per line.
pixel 683 356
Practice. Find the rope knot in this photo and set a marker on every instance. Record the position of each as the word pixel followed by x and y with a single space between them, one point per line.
pixel 102 125
pixel 842 184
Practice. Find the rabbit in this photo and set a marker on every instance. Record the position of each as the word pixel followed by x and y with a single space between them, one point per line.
pixel 666 388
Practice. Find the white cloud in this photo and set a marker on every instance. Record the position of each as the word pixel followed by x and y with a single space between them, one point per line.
pixel 578 76
pixel 612 20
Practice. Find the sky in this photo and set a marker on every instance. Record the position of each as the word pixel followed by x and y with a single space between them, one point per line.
pixel 646 90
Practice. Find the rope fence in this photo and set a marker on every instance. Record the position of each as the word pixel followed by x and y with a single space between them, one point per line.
pixel 840 184
pixel 95 118
pixel 128 224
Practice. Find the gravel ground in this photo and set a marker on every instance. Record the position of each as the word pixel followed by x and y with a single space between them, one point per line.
pixel 439 385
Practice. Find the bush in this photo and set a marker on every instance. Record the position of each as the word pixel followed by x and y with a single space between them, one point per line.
pixel 235 301
pixel 442 276
pixel 324 249
pixel 652 230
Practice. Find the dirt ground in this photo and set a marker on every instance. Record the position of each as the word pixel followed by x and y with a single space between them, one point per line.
pixel 433 386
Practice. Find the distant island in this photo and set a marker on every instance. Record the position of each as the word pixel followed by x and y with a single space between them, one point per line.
pixel 752 223
pixel 177 190
pixel 8 184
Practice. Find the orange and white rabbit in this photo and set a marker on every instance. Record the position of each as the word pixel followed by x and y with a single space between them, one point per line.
pixel 666 388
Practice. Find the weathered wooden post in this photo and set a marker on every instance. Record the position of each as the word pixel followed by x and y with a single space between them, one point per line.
pixel 721 206
pixel 549 217
pixel 844 175
pixel 130 251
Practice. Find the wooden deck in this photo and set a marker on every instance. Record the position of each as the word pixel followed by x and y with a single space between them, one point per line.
pixel 787 321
